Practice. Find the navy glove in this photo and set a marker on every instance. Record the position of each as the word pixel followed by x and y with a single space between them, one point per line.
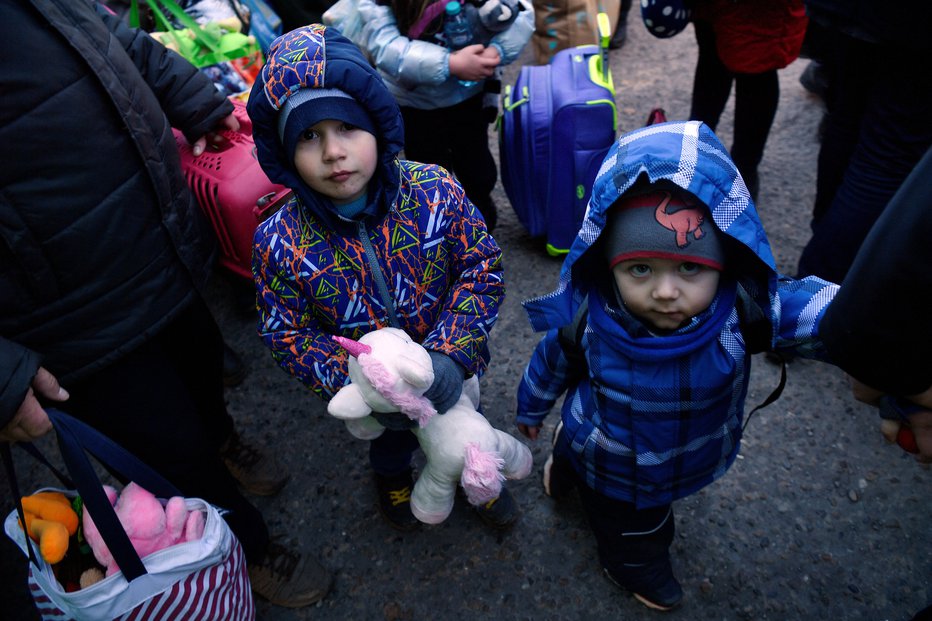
pixel 448 382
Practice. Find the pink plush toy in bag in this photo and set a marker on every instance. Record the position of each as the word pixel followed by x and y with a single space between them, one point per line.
pixel 164 560
pixel 149 526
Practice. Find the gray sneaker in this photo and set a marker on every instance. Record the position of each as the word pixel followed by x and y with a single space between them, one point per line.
pixel 288 578
pixel 256 470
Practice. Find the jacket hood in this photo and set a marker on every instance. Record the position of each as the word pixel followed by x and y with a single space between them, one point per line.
pixel 316 56
pixel 685 154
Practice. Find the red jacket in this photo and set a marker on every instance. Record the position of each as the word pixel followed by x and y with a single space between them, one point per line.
pixel 753 36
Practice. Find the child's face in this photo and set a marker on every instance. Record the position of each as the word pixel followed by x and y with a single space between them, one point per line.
pixel 665 293
pixel 336 159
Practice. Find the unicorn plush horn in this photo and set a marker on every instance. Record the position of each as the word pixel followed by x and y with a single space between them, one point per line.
pixel 397 379
pixel 355 348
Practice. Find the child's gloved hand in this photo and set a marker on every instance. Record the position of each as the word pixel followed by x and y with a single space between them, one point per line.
pixel 448 382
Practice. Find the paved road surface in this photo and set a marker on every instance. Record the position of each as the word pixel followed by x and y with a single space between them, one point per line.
pixel 818 518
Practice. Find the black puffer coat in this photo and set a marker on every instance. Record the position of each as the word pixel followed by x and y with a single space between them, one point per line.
pixel 101 243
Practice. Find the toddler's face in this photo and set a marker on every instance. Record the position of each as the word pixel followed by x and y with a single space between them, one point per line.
pixel 665 293
pixel 336 159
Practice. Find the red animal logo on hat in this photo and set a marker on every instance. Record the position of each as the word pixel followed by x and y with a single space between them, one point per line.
pixel 683 222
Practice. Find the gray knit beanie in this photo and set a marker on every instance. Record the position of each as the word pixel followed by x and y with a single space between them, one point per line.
pixel 662 224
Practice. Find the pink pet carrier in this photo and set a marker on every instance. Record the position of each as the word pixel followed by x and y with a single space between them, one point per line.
pixel 232 189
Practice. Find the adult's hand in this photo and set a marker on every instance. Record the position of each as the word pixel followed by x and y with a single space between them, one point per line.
pixel 867 394
pixel 473 63
pixel 923 398
pixel 920 422
pixel 30 421
pixel 228 122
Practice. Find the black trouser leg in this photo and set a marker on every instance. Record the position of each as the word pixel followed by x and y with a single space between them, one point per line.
pixel 711 82
pixel 163 402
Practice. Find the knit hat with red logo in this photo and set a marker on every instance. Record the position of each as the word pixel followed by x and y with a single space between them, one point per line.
pixel 663 225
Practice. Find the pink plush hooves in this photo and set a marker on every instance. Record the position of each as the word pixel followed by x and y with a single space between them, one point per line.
pixel 194 527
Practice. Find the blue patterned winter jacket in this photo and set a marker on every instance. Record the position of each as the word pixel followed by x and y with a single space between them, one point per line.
pixel 656 418
pixel 419 257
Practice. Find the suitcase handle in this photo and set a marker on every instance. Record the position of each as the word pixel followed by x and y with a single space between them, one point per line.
pixel 605 35
pixel 598 76
pixel 509 106
pixel 598 63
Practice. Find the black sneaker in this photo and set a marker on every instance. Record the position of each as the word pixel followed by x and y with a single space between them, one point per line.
pixel 395 500
pixel 815 79
pixel 618 39
pixel 499 513
pixel 559 478
pixel 652 584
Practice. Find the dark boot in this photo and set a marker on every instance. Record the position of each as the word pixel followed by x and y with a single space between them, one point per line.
pixel 653 584
pixel 394 494
pixel 254 467
pixel 234 371
pixel 621 29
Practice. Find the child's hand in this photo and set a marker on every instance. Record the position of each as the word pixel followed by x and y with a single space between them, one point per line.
pixel 491 53
pixel 448 382
pixel 529 432
pixel 473 63
pixel 228 122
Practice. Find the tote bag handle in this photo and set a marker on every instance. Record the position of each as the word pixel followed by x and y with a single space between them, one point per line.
pixel 75 440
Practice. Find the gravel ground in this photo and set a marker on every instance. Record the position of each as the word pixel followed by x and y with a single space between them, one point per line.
pixel 818 518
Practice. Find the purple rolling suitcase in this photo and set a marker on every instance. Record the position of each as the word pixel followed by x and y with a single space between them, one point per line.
pixel 557 124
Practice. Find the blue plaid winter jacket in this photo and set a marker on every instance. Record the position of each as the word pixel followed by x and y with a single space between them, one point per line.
pixel 656 418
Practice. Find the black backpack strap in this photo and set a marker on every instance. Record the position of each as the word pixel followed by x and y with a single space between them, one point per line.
pixel 570 338
pixel 755 326
pixel 773 396
pixel 757 332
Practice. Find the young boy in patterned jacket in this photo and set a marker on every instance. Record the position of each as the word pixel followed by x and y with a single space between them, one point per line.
pixel 368 241
pixel 669 287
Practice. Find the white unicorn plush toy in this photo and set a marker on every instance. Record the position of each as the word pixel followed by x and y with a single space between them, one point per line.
pixel 390 373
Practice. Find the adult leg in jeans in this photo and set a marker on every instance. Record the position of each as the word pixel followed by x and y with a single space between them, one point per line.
pixel 853 69
pixel 893 135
